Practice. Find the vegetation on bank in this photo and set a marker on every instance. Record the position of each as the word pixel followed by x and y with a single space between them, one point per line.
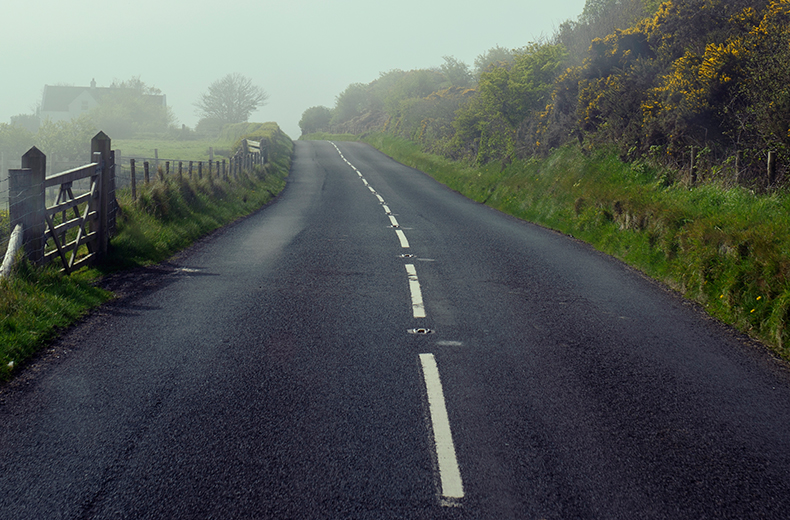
pixel 726 247
pixel 675 82
pixel 168 216
pixel 642 127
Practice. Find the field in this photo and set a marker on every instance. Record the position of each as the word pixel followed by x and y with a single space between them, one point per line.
pixel 197 150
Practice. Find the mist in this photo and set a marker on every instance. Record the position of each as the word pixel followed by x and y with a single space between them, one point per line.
pixel 302 53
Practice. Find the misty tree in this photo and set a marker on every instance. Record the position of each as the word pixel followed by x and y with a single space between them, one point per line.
pixel 29 122
pixel 66 140
pixel 315 119
pixel 456 72
pixel 15 140
pixel 131 107
pixel 231 99
pixel 351 103
pixel 493 56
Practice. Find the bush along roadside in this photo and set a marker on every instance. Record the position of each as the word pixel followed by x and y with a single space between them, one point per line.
pixel 726 248
pixel 168 215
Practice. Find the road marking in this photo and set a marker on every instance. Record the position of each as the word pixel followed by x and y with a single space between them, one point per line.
pixel 450 343
pixel 402 237
pixel 417 305
pixel 452 486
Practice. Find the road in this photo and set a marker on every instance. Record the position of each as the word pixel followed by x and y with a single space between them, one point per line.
pixel 373 345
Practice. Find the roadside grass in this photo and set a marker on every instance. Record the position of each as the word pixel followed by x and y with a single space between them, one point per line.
pixel 324 136
pixel 170 215
pixel 37 302
pixel 726 248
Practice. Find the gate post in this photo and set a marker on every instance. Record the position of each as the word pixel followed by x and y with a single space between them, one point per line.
pixel 101 144
pixel 27 203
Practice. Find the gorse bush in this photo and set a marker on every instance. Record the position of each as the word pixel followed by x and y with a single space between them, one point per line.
pixel 667 82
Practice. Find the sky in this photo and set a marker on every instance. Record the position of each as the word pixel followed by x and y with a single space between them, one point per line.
pixel 303 53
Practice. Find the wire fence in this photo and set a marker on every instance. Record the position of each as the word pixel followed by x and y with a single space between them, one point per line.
pixel 128 171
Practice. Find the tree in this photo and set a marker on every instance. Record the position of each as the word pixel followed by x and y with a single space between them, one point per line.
pixel 131 107
pixel 15 140
pixel 456 72
pixel 66 140
pixel 29 122
pixel 350 103
pixel 231 99
pixel 493 56
pixel 315 119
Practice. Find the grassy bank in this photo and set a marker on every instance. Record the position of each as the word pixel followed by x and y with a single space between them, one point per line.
pixel 167 217
pixel 726 248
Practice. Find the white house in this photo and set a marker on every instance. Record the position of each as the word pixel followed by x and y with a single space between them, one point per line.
pixel 61 103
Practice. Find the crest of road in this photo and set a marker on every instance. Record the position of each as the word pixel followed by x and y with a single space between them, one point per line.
pixel 374 345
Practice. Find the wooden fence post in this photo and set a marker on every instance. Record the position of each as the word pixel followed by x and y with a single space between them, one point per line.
pixel 190 169
pixel 101 143
pixel 210 167
pixel 771 167
pixel 133 179
pixel 180 170
pixel 112 210
pixel 224 172
pixel 27 203
pixel 693 167
pixel 156 159
pixel 146 176
pixel 200 169
pixel 167 169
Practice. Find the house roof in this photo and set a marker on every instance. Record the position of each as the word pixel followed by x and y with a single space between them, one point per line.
pixel 58 98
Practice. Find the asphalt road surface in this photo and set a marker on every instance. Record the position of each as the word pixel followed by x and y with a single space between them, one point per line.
pixel 373 345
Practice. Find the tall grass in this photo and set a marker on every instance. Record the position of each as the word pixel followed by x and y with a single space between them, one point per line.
pixel 726 248
pixel 170 215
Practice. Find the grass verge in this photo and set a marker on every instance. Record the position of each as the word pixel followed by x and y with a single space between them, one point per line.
pixel 726 248
pixel 35 303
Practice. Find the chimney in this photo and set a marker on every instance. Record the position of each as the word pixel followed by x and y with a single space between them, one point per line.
pixel 93 83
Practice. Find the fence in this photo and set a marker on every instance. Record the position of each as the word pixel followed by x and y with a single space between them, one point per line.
pixel 78 217
pixel 59 213
pixel 130 171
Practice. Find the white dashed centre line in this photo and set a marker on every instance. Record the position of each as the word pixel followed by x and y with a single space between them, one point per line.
pixel 417 305
pixel 402 237
pixel 452 488
pixel 449 473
